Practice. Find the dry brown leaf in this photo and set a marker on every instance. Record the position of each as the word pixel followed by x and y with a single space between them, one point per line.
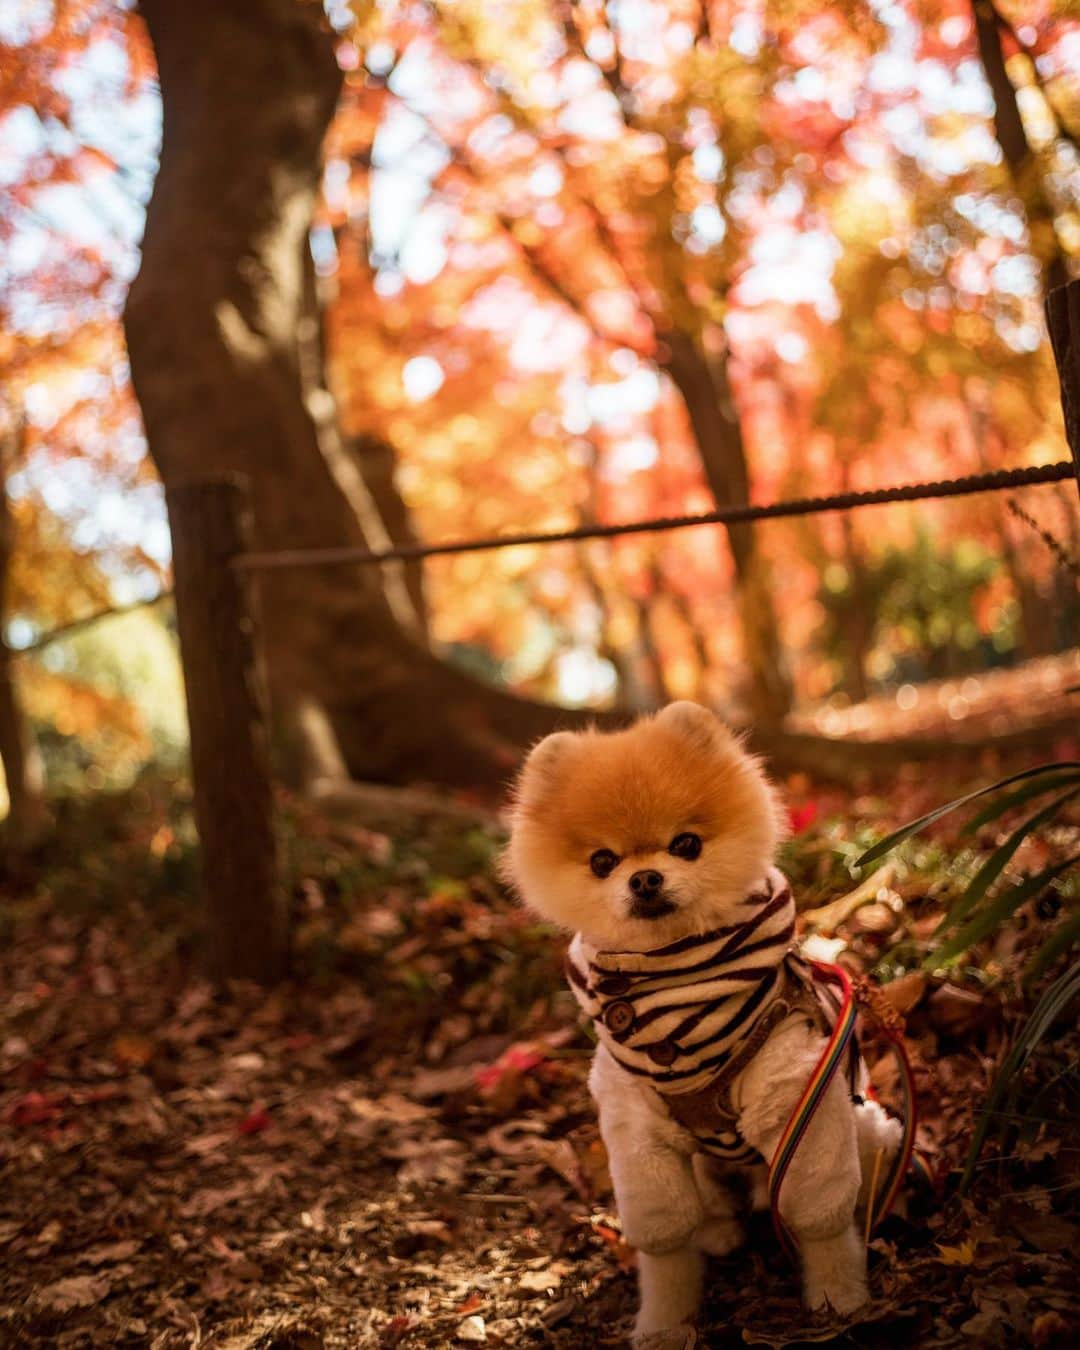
pixel 904 993
pixel 108 1253
pixel 77 1291
pixel 540 1281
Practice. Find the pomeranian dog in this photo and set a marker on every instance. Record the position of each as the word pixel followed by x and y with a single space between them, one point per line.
pixel 654 847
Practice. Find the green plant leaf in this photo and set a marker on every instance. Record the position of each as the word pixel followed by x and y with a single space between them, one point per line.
pixel 1064 936
pixel 991 915
pixel 993 867
pixel 890 841
pixel 1046 1011
pixel 1054 779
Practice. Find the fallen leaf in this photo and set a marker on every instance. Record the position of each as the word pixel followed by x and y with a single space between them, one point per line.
pixel 396 1328
pixel 131 1050
pixel 257 1120
pixel 518 1060
pixel 540 1281
pixel 963 1255
pixel 958 1011
pixel 50 1235
pixel 437 1161
pixel 1049 1329
pixel 1044 1232
pixel 35 1108
pixel 108 1253
pixel 904 994
pixel 472 1331
pixel 558 1311
pixel 77 1291
pixel 250 1062
pixel 559 1155
pixel 802 817
pixel 429 1083
pixel 984 1324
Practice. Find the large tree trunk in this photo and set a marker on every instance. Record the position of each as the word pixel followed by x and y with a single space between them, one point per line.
pixel 366 479
pixel 706 391
pixel 215 321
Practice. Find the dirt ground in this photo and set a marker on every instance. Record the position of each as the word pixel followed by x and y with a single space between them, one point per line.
pixel 397 1147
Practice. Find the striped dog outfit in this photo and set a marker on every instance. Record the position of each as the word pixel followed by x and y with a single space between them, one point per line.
pixel 690 1016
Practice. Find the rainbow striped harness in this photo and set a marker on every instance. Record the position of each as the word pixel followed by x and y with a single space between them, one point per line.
pixel 689 1017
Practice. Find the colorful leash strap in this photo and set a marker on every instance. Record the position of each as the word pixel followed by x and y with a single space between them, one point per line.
pixel 831 1059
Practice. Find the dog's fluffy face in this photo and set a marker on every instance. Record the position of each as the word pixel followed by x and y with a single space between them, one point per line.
pixel 637 838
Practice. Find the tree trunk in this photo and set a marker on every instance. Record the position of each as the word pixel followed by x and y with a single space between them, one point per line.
pixel 214 322
pixel 1011 136
pixel 23 770
pixel 367 480
pixel 710 405
pixel 377 460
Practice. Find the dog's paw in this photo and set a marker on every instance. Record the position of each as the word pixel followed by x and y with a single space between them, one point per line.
pixel 841 1294
pixel 670 1338
pixel 720 1237
pixel 834 1273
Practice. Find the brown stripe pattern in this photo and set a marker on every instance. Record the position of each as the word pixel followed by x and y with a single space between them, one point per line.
pixel 675 1014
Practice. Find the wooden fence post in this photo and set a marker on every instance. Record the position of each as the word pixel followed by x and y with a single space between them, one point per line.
pixel 1063 321
pixel 246 916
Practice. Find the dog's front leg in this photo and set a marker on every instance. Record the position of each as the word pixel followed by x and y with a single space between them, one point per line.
pixel 657 1198
pixel 818 1197
pixel 660 1211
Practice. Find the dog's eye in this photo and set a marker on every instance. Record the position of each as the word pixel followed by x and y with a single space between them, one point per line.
pixel 686 846
pixel 603 862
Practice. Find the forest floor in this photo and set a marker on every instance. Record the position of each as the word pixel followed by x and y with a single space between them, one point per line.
pixel 397 1147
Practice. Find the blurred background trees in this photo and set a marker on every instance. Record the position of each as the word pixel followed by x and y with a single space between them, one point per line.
pixel 566 262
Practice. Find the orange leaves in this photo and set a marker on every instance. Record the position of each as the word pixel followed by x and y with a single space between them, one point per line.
pixel 77 710
pixel 49 582
pixel 961 1255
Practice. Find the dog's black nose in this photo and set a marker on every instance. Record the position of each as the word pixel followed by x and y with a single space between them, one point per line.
pixel 646 882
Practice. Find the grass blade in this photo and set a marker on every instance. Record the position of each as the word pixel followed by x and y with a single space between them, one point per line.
pixel 1060 778
pixel 989 872
pixel 995 913
pixel 887 844
pixel 1049 1007
pixel 1064 936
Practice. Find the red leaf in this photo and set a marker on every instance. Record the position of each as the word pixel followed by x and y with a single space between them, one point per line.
pixel 35 1109
pixel 802 817
pixel 518 1059
pixel 258 1120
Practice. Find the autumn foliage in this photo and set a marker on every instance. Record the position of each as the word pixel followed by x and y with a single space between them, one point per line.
pixel 579 263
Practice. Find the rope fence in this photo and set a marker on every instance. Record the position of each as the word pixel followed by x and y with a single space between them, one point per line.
pixel 997 481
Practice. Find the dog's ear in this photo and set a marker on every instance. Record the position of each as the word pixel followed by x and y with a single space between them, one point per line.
pixel 543 763
pixel 696 724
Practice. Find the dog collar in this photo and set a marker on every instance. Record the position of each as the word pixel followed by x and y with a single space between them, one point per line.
pixel 676 1014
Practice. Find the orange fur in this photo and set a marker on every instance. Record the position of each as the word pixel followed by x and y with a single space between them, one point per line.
pixel 633 792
